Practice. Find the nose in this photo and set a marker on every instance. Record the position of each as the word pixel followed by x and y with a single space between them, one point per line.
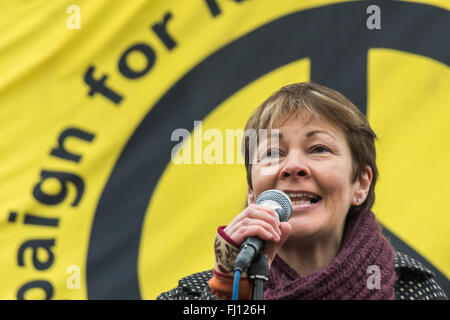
pixel 294 167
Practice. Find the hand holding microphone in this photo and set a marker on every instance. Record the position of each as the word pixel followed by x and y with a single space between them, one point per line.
pixel 265 220
pixel 260 226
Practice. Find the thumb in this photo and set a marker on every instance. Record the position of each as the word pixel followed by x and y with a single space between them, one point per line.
pixel 272 247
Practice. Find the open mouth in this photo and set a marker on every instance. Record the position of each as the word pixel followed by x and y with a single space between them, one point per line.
pixel 303 198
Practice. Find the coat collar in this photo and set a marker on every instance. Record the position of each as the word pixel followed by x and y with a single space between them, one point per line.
pixel 404 262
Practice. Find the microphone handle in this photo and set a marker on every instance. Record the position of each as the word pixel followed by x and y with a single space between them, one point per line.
pixel 249 249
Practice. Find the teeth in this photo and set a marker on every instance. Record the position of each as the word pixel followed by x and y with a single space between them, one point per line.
pixel 301 194
pixel 294 203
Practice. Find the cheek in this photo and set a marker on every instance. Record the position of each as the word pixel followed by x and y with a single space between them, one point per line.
pixel 335 182
pixel 261 181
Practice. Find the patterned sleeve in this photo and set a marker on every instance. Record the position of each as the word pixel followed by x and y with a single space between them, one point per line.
pixel 193 287
pixel 176 293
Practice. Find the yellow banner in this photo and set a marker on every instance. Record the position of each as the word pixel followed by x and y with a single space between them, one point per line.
pixel 96 95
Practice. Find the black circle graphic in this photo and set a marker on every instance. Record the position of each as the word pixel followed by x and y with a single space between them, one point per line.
pixel 334 37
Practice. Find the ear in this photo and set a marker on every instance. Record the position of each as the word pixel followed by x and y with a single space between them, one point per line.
pixel 363 186
pixel 250 196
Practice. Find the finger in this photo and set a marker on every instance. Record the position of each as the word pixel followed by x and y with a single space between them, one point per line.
pixel 272 247
pixel 267 215
pixel 266 209
pixel 252 227
pixel 255 212
pixel 253 231
pixel 286 230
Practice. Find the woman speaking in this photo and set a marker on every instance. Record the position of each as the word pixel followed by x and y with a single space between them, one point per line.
pixel 324 159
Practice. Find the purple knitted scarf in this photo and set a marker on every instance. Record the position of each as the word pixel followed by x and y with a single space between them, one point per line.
pixel 346 277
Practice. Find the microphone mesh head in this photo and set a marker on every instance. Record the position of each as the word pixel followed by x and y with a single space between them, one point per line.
pixel 279 197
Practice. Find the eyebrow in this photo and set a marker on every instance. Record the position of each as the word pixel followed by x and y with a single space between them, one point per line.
pixel 311 133
pixel 308 134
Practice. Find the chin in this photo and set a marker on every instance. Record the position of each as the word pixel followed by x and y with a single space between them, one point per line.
pixel 301 228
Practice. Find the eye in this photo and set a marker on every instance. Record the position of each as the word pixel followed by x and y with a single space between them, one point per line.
pixel 320 149
pixel 271 153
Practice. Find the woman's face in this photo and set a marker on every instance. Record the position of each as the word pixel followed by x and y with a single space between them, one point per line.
pixel 313 158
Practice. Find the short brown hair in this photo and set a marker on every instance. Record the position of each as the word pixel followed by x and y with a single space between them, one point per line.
pixel 314 100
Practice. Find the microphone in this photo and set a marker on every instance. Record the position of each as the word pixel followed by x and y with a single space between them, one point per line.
pixel 281 203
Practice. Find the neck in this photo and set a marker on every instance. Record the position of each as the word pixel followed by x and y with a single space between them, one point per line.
pixel 307 256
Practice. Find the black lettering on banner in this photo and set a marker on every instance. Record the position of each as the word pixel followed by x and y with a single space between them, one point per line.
pixel 149 54
pixel 40 221
pixel 35 220
pixel 61 152
pixel 12 217
pixel 41 284
pixel 214 7
pixel 40 262
pixel 99 86
pixel 63 178
pixel 35 244
pixel 161 31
